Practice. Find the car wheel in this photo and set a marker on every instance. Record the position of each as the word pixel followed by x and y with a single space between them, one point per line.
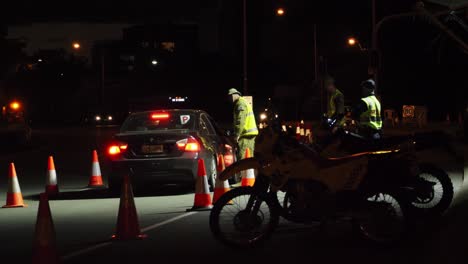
pixel 212 174
pixel 115 186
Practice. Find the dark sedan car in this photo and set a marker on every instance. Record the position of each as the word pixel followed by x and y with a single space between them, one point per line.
pixel 163 147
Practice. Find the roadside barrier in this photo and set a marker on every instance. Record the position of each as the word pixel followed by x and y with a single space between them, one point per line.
pixel 45 245
pixel 221 187
pixel 128 226
pixel 14 196
pixel 95 181
pixel 248 176
pixel 202 199
pixel 51 181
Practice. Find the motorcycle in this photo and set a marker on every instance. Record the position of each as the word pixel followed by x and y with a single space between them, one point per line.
pixel 369 188
pixel 432 202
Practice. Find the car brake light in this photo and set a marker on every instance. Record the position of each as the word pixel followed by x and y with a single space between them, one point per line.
pixel 188 145
pixel 159 116
pixel 116 148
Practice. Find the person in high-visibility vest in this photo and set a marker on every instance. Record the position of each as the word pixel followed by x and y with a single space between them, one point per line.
pixel 368 112
pixel 335 106
pixel 245 127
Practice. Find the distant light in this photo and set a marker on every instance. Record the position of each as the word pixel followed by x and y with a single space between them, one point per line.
pixel 39 60
pixel 61 74
pixel 76 45
pixel 263 116
pixel 276 116
pixel 154 62
pixel 98 118
pixel 280 11
pixel 15 105
pixel 352 41
pixel 178 99
pixel 110 118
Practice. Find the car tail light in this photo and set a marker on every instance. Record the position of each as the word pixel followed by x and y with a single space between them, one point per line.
pixel 116 148
pixel 159 116
pixel 188 145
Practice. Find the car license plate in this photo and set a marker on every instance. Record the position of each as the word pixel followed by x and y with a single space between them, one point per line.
pixel 152 149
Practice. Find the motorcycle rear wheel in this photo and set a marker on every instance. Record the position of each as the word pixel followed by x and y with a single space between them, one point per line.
pixel 386 220
pixel 234 225
pixel 442 193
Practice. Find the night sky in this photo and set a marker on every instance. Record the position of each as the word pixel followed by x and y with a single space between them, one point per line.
pixel 419 67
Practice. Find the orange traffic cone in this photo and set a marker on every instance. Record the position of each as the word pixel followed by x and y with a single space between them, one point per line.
pixel 14 196
pixel 95 181
pixel 298 132
pixel 248 177
pixel 202 190
pixel 51 183
pixel 128 227
pixel 45 246
pixel 221 187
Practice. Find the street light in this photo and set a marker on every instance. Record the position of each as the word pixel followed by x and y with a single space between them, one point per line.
pixel 280 12
pixel 154 62
pixel 76 45
pixel 353 42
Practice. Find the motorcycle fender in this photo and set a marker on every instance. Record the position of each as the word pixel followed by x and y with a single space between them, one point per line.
pixel 242 165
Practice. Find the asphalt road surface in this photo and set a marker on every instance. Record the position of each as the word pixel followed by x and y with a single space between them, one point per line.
pixel 85 219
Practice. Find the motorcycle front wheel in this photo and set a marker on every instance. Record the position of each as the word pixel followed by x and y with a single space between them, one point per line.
pixel 242 218
pixel 384 221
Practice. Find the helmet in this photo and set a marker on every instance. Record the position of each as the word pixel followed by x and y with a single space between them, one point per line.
pixel 369 84
pixel 233 91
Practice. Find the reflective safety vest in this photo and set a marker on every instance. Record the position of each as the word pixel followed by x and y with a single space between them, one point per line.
pixel 331 104
pixel 371 118
pixel 244 119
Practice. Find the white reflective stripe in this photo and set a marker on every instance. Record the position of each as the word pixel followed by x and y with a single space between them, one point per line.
pixel 251 130
pixel 249 114
pixel 96 170
pixel 51 177
pixel 14 185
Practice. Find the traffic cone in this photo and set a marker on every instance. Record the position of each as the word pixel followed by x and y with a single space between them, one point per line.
pixel 51 184
pixel 128 227
pixel 95 181
pixel 45 246
pixel 248 177
pixel 302 131
pixel 202 190
pixel 221 187
pixel 298 131
pixel 14 196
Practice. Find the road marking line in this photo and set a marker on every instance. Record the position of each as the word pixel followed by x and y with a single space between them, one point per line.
pixel 105 244
pixel 86 250
pixel 151 227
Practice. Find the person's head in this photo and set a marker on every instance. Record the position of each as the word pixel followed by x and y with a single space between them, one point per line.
pixel 329 84
pixel 234 94
pixel 368 88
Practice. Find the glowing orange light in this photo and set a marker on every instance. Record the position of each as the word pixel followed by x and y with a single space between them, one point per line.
pixel 280 11
pixel 76 45
pixel 352 41
pixel 160 116
pixel 15 105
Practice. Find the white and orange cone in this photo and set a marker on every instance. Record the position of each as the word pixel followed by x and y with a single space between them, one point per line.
pixel 95 181
pixel 248 176
pixel 221 187
pixel 202 190
pixel 45 243
pixel 51 181
pixel 14 196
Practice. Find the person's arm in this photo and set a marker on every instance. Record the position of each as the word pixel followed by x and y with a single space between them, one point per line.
pixel 358 109
pixel 239 121
pixel 339 107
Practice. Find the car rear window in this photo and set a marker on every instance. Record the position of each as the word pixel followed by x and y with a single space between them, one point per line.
pixel 159 121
